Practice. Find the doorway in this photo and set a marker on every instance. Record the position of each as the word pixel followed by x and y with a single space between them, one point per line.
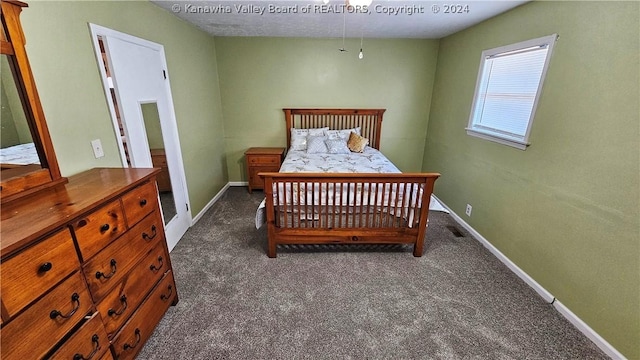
pixel 136 83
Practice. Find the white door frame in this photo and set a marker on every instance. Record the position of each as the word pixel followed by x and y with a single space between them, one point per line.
pixel 169 123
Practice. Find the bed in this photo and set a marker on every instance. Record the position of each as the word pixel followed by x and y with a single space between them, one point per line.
pixel 19 155
pixel 18 160
pixel 326 204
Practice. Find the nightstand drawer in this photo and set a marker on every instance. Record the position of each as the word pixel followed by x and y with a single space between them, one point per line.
pixel 264 160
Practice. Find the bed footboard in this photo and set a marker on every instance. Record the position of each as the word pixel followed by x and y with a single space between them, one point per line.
pixel 337 208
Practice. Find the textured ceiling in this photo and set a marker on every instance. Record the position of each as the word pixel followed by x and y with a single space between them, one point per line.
pixel 312 18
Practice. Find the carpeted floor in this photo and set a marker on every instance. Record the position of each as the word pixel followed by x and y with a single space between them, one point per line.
pixel 455 302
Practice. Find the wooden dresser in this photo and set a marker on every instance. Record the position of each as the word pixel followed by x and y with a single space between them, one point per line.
pixel 262 159
pixel 85 269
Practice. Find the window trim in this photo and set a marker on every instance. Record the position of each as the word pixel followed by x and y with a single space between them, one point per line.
pixel 495 135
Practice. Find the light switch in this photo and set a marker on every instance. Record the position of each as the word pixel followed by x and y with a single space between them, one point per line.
pixel 97 148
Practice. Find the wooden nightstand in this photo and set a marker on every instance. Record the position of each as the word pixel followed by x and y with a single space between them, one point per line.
pixel 262 159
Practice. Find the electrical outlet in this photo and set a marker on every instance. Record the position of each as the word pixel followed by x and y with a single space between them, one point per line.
pixel 468 210
pixel 97 148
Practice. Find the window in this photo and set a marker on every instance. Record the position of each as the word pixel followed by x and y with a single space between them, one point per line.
pixel 507 91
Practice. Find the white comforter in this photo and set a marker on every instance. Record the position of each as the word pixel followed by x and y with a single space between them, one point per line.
pixel 370 161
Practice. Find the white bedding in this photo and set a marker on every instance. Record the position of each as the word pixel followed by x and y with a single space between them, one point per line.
pixel 370 161
pixel 23 154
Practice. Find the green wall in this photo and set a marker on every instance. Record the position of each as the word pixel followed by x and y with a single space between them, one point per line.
pixel 566 210
pixel 260 76
pixel 8 132
pixel 66 71
pixel 151 119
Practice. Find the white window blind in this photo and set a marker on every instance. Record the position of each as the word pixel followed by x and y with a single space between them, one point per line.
pixel 507 90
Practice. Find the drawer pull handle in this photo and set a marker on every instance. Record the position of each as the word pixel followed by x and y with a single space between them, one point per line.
pixel 126 346
pixel 164 297
pixel 45 267
pixel 150 237
pixel 143 202
pixel 123 300
pixel 100 274
pixel 94 339
pixel 75 298
pixel 156 268
pixel 104 228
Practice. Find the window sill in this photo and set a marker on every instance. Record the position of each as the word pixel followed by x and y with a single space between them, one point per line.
pixel 504 140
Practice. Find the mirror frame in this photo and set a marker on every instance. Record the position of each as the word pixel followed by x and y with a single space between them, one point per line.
pixel 12 43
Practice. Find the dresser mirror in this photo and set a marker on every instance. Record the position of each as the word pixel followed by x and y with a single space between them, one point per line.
pixel 27 159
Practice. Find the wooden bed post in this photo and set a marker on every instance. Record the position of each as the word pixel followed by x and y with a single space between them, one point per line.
pixel 378 128
pixel 269 208
pixel 424 215
pixel 287 118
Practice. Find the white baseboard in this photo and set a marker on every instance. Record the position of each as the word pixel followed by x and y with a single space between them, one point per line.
pixel 546 295
pixel 209 204
pixel 588 331
pixel 238 183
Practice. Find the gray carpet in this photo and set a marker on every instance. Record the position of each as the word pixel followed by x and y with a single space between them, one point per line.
pixel 455 302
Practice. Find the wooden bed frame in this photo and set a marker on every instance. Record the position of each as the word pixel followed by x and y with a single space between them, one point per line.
pixel 329 222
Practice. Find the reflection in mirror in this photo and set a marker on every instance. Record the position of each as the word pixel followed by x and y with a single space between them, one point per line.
pixel 156 144
pixel 18 154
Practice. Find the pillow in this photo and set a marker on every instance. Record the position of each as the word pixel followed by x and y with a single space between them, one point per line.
pixel 318 131
pixel 299 137
pixel 337 147
pixel 316 145
pixel 357 143
pixel 341 134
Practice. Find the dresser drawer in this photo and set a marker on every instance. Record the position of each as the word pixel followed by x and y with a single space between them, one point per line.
pixel 34 332
pixel 264 160
pixel 96 230
pixel 137 330
pixel 120 303
pixel 41 267
pixel 89 342
pixel 110 265
pixel 139 202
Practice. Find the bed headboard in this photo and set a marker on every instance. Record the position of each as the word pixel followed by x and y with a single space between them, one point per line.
pixel 369 121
